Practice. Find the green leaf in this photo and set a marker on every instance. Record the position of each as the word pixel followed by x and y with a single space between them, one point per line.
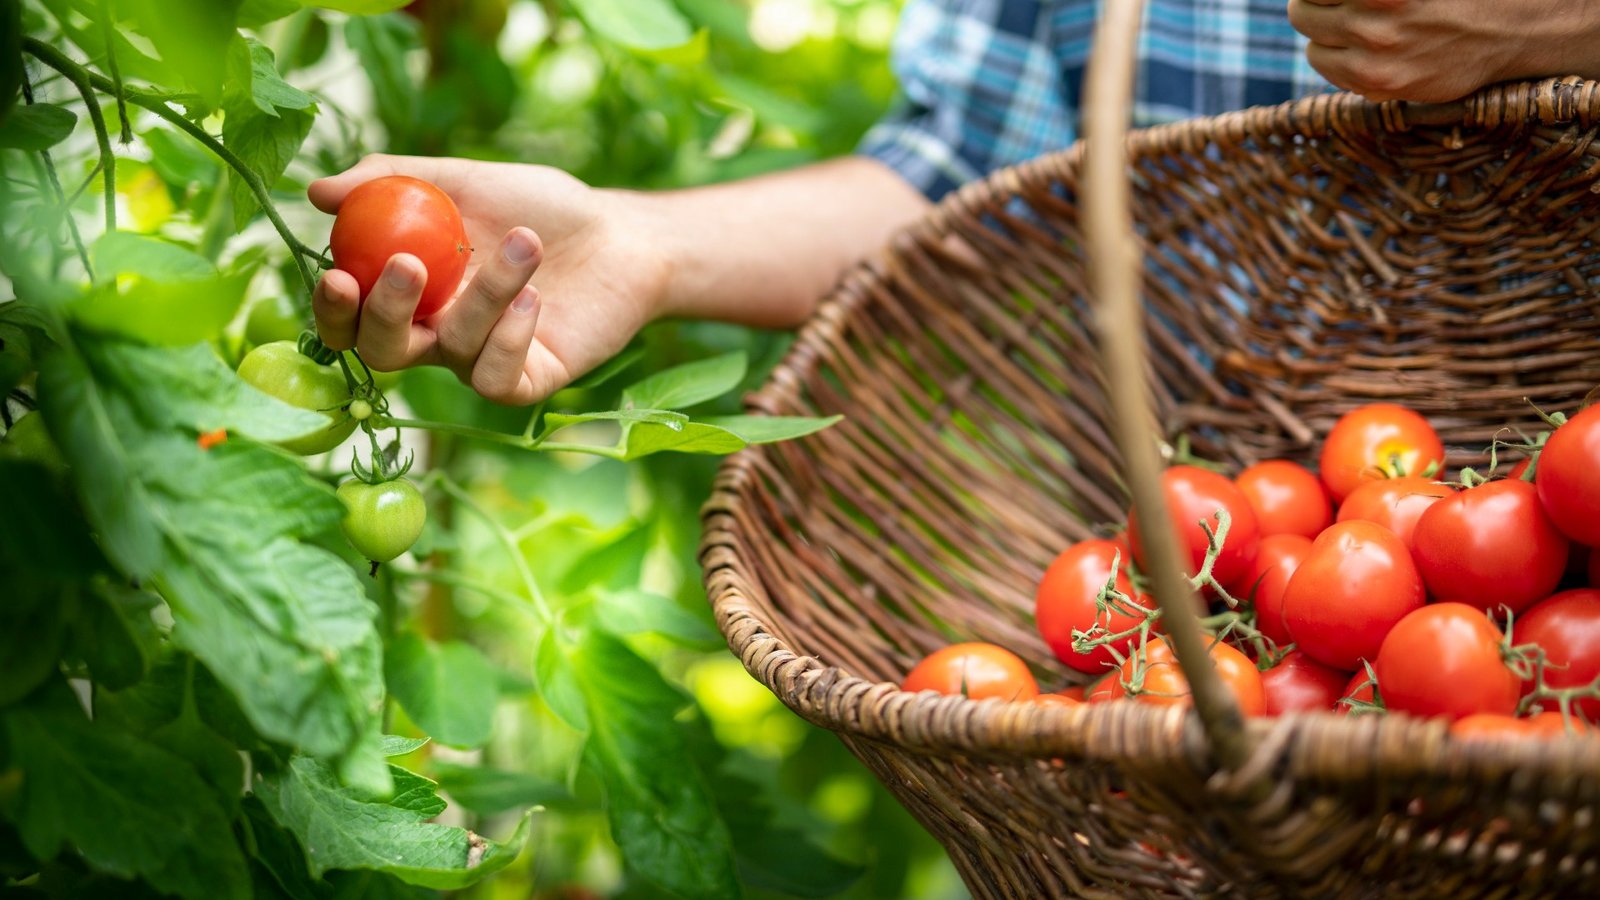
pixel 488 792
pixel 165 294
pixel 692 52
pixel 661 811
pixel 554 422
pixel 191 36
pixel 395 745
pixel 39 126
pixel 636 24
pixel 114 635
pixel 557 685
pixel 635 611
pixel 266 143
pixel 360 7
pixel 688 384
pixel 696 437
pixel 448 689
pixel 382 44
pixel 770 429
pixel 255 13
pixel 45 552
pixel 340 830
pixel 128 806
pixel 255 73
pixel 11 73
pixel 608 370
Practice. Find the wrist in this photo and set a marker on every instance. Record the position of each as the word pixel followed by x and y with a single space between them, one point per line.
pixel 655 246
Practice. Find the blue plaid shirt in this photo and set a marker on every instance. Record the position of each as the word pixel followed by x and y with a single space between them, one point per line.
pixel 989 83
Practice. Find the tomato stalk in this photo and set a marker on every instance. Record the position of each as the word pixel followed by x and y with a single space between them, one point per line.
pixel 1364 707
pixel 53 181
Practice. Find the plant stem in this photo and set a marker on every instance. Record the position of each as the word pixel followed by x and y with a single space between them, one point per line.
pixel 79 76
pixel 59 61
pixel 507 540
pixel 53 182
pixel 108 33
pixel 455 580
pixel 497 437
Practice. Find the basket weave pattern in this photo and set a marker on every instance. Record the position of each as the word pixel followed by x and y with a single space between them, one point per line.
pixel 1299 261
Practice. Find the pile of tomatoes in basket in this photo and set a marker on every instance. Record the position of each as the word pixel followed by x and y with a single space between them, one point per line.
pixel 1378 582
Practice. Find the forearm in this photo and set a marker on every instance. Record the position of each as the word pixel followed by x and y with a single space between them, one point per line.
pixel 762 251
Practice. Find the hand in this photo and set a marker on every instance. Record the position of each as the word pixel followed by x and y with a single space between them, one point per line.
pixel 1437 50
pixel 562 275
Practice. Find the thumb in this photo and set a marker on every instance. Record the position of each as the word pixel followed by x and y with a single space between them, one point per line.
pixel 327 193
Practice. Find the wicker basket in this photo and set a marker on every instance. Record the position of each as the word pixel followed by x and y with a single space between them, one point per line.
pixel 1297 261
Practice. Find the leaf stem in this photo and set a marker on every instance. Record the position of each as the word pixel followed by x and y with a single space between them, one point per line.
pixel 53 182
pixel 455 580
pixel 79 76
pixel 497 437
pixel 507 540
pixel 108 33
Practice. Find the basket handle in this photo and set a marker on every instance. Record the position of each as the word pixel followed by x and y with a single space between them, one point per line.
pixel 1115 271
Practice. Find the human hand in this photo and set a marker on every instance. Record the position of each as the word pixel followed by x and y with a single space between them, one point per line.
pixel 1437 50
pixel 562 275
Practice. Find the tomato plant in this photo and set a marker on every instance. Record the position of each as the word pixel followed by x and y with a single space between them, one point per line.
pixel 1567 628
pixel 1065 602
pixel 1569 488
pixel 1379 440
pixel 280 369
pixel 1194 496
pixel 1446 659
pixel 1287 498
pixel 1276 561
pixel 1490 546
pixel 382 520
pixel 400 214
pixel 1157 678
pixel 1354 585
pixel 1394 503
pixel 975 670
pixel 1299 683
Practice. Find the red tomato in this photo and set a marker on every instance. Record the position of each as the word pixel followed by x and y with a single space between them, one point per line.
pixel 1445 660
pixel 974 670
pixel 1354 585
pixel 1279 555
pixel 1394 503
pixel 1489 546
pixel 1194 495
pixel 1359 689
pixel 1076 692
pixel 1057 700
pixel 1101 690
pixel 1493 726
pixel 1164 681
pixel 1594 567
pixel 1378 440
pixel 1569 477
pixel 400 214
pixel 1287 498
pixel 1567 627
pixel 1064 602
pixel 1300 683
pixel 1515 473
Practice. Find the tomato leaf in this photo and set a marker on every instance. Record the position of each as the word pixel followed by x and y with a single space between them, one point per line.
pixel 448 689
pixel 128 806
pixel 769 429
pixel 114 634
pixel 342 830
pixel 39 126
pixel 188 34
pixel 254 76
pixel 382 44
pixel 608 370
pixel 636 24
pixel 488 792
pixel 45 553
pixel 255 13
pixel 395 745
pixel 266 143
pixel 661 811
pixel 165 294
pixel 635 611
pixel 557 685
pixel 688 384
pixel 645 438
pixel 358 7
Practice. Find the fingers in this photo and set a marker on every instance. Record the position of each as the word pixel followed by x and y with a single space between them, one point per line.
pixel 336 302
pixel 1327 24
pixel 385 336
pixel 466 325
pixel 327 193
pixel 501 372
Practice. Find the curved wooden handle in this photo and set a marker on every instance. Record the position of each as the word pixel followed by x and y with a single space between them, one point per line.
pixel 1115 273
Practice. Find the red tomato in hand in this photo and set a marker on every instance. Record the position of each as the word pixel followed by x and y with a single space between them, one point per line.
pixel 1567 627
pixel 1194 495
pixel 1379 440
pixel 400 214
pixel 1445 659
pixel 1489 546
pixel 1064 602
pixel 1287 498
pixel 1569 477
pixel 1354 585
pixel 974 670
pixel 1394 503
pixel 1276 559
pixel 1299 683
pixel 1164 681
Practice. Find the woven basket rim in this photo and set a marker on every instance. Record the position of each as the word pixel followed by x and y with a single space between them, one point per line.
pixel 1336 747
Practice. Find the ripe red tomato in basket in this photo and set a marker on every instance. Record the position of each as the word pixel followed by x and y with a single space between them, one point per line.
pixel 1194 495
pixel 1568 477
pixel 1354 585
pixel 1300 683
pixel 1277 557
pixel 1164 681
pixel 1379 440
pixel 1445 659
pixel 1490 546
pixel 401 214
pixel 1065 601
pixel 1567 627
pixel 1359 689
pixel 975 670
pixel 1394 503
pixel 1496 727
pixel 1287 498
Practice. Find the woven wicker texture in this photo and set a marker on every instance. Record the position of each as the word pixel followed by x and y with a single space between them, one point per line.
pixel 1299 261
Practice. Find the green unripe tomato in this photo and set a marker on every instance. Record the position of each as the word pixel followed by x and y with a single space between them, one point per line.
pixel 360 410
pixel 274 318
pixel 280 369
pixel 382 521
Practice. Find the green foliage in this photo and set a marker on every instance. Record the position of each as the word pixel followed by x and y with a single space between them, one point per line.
pixel 519 698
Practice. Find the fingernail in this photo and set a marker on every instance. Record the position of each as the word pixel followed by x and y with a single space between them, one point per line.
pixel 518 248
pixel 526 299
pixel 398 276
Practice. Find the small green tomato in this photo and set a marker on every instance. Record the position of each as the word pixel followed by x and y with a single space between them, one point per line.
pixel 382 521
pixel 280 369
